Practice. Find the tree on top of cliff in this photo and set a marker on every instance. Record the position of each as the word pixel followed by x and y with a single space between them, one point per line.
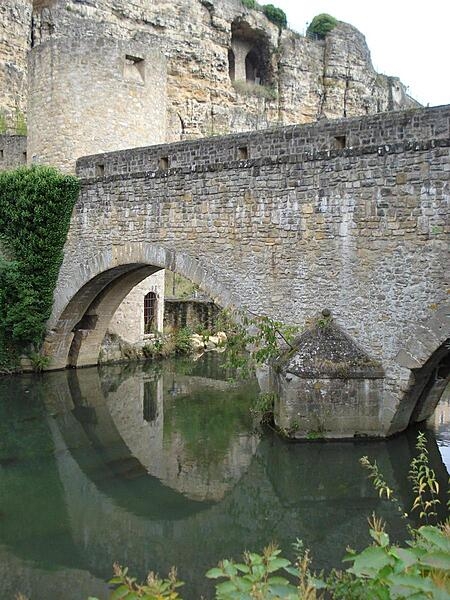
pixel 321 25
pixel 276 15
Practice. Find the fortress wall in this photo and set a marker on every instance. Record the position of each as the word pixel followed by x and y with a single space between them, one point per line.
pixel 13 151
pixel 91 94
pixel 15 34
pixel 376 134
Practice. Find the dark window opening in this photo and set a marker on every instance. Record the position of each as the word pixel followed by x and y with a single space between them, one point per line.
pixel 231 65
pixel 24 157
pixel 252 68
pixel 164 163
pixel 2 154
pixel 150 408
pixel 99 170
pixel 150 305
pixel 134 68
pixel 340 142
pixel 243 153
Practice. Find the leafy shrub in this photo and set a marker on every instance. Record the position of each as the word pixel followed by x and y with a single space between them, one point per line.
pixel 21 124
pixel 35 208
pixel 276 15
pixel 3 123
pixel 182 340
pixel 249 3
pixel 321 25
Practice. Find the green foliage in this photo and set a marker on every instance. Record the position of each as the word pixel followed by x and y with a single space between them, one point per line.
pixel 254 340
pixel 21 124
pixel 249 4
pixel 154 588
pixel 247 88
pixel 263 407
pixel 35 208
pixel 3 123
pixel 424 482
pixel 423 479
pixel 182 340
pixel 276 15
pixel 385 571
pixel 321 25
pixel 255 577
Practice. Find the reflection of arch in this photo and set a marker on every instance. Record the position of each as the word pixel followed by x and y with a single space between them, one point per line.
pixel 427 356
pixel 85 303
pixel 101 453
pixel 252 67
pixel 231 64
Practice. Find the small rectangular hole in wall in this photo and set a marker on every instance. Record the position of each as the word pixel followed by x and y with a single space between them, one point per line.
pixel 340 142
pixel 134 68
pixel 99 170
pixel 243 153
pixel 163 163
pixel 2 155
pixel 24 157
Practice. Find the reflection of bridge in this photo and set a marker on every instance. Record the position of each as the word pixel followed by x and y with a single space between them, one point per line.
pixel 115 510
pixel 300 225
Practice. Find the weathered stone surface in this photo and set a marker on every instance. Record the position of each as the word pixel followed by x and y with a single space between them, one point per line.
pixel 15 39
pixel 325 351
pixel 13 151
pixel 297 227
pixel 327 386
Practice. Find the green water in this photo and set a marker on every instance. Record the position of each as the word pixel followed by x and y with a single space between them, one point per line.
pixel 160 465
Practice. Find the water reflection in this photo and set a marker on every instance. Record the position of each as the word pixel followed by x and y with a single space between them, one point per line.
pixel 154 466
pixel 440 423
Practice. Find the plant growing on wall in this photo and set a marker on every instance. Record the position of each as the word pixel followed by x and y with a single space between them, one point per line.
pixel 276 15
pixel 21 124
pixel 321 25
pixel 35 208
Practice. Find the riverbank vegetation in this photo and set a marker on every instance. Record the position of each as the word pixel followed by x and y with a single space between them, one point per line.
pixel 35 208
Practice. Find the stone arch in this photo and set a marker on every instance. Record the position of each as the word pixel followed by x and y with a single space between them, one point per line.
pixel 427 356
pixel 252 67
pixel 88 296
pixel 249 58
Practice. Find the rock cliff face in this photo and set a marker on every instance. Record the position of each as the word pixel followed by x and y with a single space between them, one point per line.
pixel 229 68
pixel 15 38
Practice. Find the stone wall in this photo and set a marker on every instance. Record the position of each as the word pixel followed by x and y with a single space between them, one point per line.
pixel 13 151
pixel 128 320
pixel 91 94
pixel 298 227
pixel 15 39
pixel 190 312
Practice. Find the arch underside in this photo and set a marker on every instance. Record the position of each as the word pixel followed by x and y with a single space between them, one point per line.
pixel 431 381
pixel 426 356
pixel 86 301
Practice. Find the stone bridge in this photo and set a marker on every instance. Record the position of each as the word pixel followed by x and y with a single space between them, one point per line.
pixel 350 215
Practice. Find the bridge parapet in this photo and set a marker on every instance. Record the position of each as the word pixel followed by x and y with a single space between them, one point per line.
pixel 384 133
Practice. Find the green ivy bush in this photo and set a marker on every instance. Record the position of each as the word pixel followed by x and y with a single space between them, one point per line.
pixel 276 15
pixel 35 208
pixel 249 4
pixel 321 25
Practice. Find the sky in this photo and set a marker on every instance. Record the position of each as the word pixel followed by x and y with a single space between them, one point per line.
pixel 407 39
